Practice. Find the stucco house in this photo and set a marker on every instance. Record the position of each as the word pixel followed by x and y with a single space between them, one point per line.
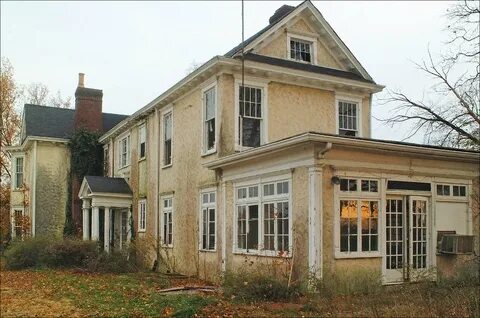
pixel 265 153
pixel 41 161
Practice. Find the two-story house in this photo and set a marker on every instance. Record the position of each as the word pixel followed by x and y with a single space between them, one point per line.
pixel 265 154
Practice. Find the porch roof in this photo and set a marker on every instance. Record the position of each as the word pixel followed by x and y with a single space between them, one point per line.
pixel 107 185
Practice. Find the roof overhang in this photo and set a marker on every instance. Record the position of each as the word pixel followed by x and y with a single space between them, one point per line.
pixel 220 64
pixel 105 199
pixel 379 146
pixel 27 142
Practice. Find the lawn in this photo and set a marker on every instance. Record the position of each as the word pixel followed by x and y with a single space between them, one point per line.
pixel 72 293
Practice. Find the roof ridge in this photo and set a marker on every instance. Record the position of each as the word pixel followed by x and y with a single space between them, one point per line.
pixel 48 106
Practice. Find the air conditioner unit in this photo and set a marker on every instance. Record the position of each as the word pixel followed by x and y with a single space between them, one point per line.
pixel 456 244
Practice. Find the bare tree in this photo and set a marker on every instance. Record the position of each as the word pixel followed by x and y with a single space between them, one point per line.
pixel 451 116
pixel 38 94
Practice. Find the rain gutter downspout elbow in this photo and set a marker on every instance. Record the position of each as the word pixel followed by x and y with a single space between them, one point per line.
pixel 324 150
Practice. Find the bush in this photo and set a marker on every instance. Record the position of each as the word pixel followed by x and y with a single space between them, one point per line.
pixel 26 254
pixel 114 262
pixel 350 282
pixel 257 286
pixel 68 253
pixel 467 274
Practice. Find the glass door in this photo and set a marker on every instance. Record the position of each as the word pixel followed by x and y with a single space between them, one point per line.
pixel 394 270
pixel 418 247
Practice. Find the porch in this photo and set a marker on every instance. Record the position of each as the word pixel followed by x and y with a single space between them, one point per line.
pixel 106 211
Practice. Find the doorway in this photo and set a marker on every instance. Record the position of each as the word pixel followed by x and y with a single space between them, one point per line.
pixel 407 239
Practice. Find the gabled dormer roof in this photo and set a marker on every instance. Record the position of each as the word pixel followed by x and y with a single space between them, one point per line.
pixel 307 9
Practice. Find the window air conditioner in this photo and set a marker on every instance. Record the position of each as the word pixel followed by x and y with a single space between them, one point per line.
pixel 456 244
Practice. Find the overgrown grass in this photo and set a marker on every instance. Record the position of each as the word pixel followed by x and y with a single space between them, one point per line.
pixel 350 282
pixel 250 286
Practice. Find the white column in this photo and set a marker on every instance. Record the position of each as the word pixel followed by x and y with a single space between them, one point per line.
pixel 95 224
pixel 315 217
pixel 106 230
pixel 86 219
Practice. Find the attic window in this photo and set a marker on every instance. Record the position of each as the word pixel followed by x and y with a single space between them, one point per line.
pixel 301 51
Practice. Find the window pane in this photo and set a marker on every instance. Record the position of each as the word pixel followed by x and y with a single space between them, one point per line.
pixel 251 132
pixel 252 239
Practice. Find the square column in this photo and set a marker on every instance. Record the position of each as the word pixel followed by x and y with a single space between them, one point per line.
pixel 95 223
pixel 129 227
pixel 106 230
pixel 315 221
pixel 86 220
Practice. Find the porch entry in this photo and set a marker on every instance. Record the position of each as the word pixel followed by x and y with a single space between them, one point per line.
pixel 407 239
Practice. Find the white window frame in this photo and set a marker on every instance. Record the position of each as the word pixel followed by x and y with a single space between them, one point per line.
pixel 121 165
pixel 142 215
pixel 349 99
pixel 12 218
pixel 164 114
pixel 207 206
pixel 15 173
pixel 142 138
pixel 302 38
pixel 106 160
pixel 450 197
pixel 256 83
pixel 205 151
pixel 165 210
pixel 261 200
pixel 358 196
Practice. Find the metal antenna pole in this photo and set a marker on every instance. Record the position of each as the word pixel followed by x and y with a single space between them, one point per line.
pixel 240 138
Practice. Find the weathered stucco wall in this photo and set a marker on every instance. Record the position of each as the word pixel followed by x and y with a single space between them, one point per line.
pixel 53 166
pixel 294 109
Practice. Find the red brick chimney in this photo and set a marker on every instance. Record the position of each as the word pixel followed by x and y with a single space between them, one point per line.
pixel 88 115
pixel 88 107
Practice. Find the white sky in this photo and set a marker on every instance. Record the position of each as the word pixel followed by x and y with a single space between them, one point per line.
pixel 134 51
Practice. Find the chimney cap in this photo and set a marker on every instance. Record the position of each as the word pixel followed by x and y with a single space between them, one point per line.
pixel 81 79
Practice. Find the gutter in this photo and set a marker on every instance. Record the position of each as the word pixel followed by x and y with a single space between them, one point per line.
pixel 363 144
pixel 127 121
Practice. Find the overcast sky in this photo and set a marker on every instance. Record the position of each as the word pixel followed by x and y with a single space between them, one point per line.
pixel 134 51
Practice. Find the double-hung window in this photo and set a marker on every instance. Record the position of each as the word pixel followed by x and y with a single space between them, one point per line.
pixel 301 50
pixel 142 215
pixel 106 159
pixel 142 141
pixel 250 118
pixel 124 146
pixel 167 138
pixel 348 122
pixel 18 172
pixel 263 218
pixel 167 221
pixel 358 216
pixel 18 223
pixel 207 220
pixel 209 117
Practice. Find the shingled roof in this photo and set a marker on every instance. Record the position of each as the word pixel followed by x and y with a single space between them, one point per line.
pixel 108 185
pixel 304 67
pixel 46 121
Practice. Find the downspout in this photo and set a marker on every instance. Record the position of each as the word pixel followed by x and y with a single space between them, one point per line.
pixel 224 226
pixel 34 185
pixel 324 150
pixel 112 157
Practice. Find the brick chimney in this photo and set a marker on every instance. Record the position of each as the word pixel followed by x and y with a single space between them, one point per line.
pixel 88 107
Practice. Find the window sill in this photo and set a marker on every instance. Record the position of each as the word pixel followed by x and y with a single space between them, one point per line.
pixel 262 253
pixel 344 255
pixel 300 61
pixel 167 246
pixel 208 153
pixel 207 251
pixel 167 166
pixel 141 231
pixel 124 167
pixel 17 190
pixel 142 159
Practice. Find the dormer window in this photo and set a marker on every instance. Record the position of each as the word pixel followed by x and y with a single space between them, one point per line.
pixel 301 48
